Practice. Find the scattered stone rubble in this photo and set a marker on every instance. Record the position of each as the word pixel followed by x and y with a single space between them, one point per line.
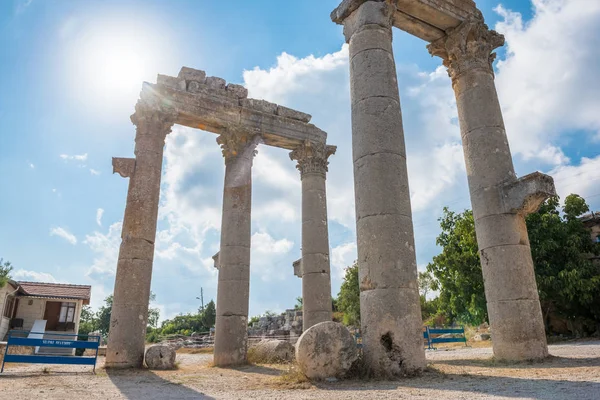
pixel 286 325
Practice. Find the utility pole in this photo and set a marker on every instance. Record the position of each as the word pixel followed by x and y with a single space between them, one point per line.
pixel 201 298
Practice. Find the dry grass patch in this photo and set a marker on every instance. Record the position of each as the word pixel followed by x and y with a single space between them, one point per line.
pixel 201 350
pixel 291 378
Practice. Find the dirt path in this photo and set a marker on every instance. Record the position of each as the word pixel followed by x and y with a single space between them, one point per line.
pixel 460 373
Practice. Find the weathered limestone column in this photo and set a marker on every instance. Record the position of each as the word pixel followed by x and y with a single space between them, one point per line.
pixel 231 330
pixel 389 299
pixel 129 314
pixel 500 201
pixel 315 269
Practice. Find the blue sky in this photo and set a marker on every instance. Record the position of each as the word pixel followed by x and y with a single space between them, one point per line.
pixel 71 72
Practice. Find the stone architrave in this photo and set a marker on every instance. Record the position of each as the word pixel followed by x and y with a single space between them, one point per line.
pixel 129 314
pixel 500 201
pixel 315 268
pixel 233 291
pixel 389 299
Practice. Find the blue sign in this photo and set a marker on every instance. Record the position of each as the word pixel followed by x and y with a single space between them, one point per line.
pixel 15 338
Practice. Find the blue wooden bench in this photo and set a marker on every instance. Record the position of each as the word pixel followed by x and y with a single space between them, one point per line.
pixel 431 336
pixel 15 338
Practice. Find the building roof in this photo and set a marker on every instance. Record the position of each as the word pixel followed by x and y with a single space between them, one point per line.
pixel 56 290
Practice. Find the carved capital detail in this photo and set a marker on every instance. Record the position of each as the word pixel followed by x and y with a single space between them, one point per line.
pixel 123 166
pixel 238 143
pixel 153 120
pixel 467 47
pixel 312 157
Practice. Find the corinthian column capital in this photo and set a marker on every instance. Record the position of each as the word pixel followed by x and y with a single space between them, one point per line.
pixel 153 121
pixel 467 47
pixel 235 144
pixel 312 157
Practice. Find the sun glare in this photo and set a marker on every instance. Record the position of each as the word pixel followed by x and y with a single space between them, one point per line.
pixel 113 59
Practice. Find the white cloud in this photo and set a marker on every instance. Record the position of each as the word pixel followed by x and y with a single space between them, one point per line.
pixel 75 157
pixel 63 233
pixel 94 172
pixel 580 179
pixel 548 84
pixel 268 257
pixel 106 247
pixel 31 165
pixel 342 256
pixel 25 275
pixel 99 213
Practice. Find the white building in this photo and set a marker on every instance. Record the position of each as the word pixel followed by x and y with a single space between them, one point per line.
pixel 58 304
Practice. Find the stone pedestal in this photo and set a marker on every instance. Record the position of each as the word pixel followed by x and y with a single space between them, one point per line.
pixel 129 314
pixel 389 299
pixel 315 270
pixel 500 201
pixel 233 291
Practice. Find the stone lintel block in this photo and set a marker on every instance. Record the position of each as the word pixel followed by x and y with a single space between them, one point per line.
pixel 213 82
pixel 259 105
pixel 237 91
pixel 508 273
pixel 501 229
pixel 172 82
pixel 123 166
pixel 190 74
pixel 392 331
pixel 136 248
pixel 297 267
pixel 315 263
pixel 316 292
pixel 527 194
pixel 517 330
pixel 233 297
pixel 381 185
pixel 231 341
pixel 386 253
pixel 293 114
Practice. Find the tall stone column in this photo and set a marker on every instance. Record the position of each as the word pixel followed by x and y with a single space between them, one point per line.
pixel 231 330
pixel 316 280
pixel 129 314
pixel 500 201
pixel 390 310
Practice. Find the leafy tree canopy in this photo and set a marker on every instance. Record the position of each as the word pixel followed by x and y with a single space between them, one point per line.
pixel 348 301
pixel 5 270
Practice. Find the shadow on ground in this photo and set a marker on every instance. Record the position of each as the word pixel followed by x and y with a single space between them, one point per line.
pixel 506 387
pixel 550 362
pixel 145 384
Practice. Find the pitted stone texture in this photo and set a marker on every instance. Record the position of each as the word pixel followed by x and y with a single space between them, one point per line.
pixel 518 332
pixel 123 166
pixel 297 268
pixel 293 114
pixel 213 82
pixel 190 74
pixel 237 91
pixel 326 350
pixel 273 351
pixel 529 192
pixel 160 356
pixel 259 105
pixel 392 332
pixel 175 83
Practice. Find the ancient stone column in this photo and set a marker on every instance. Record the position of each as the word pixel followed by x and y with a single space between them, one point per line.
pixel 129 314
pixel 233 291
pixel 390 310
pixel 500 201
pixel 315 269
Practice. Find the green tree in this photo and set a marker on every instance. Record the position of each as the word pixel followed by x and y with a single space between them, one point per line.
pixel 209 316
pixel 568 279
pixel 349 297
pixel 426 281
pixel 88 322
pixel 5 270
pixel 103 315
pixel 298 305
pixel 457 270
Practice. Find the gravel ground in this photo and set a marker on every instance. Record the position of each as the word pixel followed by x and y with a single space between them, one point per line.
pixel 459 373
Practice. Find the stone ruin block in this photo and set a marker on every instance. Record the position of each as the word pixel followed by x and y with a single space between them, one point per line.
pixel 190 74
pixel 213 82
pixel 293 114
pixel 259 105
pixel 172 82
pixel 237 91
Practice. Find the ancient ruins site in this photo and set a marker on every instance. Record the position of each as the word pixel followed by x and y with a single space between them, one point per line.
pixel 312 351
